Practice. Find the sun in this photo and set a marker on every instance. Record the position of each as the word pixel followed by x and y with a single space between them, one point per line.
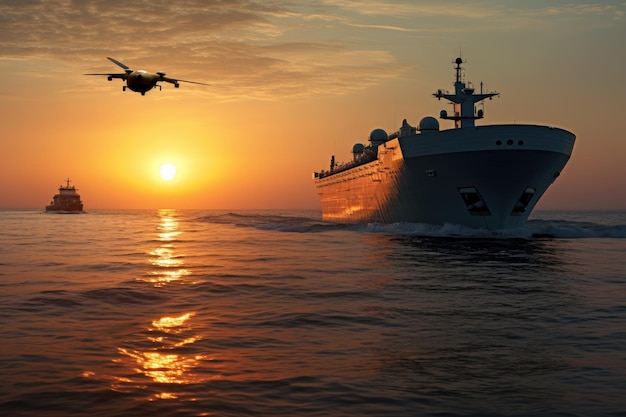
pixel 168 172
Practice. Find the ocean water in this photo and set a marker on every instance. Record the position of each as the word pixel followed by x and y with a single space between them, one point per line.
pixel 205 313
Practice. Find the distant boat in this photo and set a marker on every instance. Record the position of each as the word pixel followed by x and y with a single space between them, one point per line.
pixel 66 201
pixel 488 177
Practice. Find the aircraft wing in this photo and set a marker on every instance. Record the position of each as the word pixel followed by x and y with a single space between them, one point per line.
pixel 176 81
pixel 122 76
pixel 192 82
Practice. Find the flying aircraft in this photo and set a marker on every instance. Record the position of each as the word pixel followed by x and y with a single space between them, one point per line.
pixel 141 81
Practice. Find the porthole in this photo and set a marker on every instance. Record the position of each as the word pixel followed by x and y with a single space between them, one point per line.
pixel 509 142
pixel 498 142
pixel 520 142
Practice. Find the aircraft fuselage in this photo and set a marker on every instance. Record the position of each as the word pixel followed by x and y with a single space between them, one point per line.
pixel 142 81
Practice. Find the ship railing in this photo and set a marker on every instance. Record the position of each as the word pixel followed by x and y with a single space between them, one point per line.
pixel 341 167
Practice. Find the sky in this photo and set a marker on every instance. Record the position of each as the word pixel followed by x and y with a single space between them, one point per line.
pixel 291 83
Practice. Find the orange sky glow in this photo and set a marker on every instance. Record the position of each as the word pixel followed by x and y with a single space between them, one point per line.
pixel 291 84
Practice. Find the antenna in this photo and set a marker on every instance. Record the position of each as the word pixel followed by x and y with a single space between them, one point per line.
pixel 458 69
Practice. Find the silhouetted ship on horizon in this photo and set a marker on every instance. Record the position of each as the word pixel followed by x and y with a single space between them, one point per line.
pixel 66 201
pixel 483 177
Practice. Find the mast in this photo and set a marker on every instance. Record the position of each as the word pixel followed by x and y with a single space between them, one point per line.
pixel 67 190
pixel 464 101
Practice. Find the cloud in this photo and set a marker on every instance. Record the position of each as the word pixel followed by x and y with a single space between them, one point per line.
pixel 492 14
pixel 482 9
pixel 412 9
pixel 243 47
pixel 254 48
pixel 67 27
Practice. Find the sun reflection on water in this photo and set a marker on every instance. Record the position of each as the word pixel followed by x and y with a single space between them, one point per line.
pixel 172 359
pixel 162 364
pixel 169 265
pixel 165 368
pixel 166 324
pixel 168 226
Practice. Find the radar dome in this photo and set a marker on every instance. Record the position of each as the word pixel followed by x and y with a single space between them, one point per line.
pixel 378 136
pixel 429 123
pixel 358 148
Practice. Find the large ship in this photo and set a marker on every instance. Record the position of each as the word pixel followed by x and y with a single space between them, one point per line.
pixel 66 201
pixel 485 177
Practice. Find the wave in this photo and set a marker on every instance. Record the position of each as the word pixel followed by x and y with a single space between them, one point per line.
pixel 574 229
pixel 536 228
pixel 275 222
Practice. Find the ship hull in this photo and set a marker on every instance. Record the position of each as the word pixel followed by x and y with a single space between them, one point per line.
pixel 74 209
pixel 488 177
